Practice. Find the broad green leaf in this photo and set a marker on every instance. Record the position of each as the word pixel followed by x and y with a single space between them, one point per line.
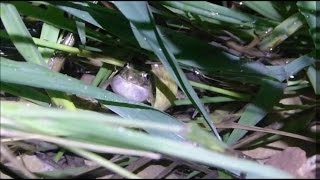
pixel 19 34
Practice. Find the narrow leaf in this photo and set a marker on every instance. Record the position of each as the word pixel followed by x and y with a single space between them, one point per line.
pixel 19 34
pixel 264 8
pixel 269 94
pixel 309 10
pixel 142 21
pixel 280 33
pixel 15 72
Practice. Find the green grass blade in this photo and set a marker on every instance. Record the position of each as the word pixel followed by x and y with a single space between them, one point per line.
pixel 49 33
pixel 81 28
pixel 38 13
pixel 220 13
pixel 103 74
pixel 205 100
pixel 182 47
pixel 269 94
pixel 19 34
pixel 264 8
pixel 15 72
pixel 282 32
pixel 22 39
pixel 297 65
pixel 310 10
pixel 240 96
pixel 26 92
pixel 212 60
pixel 176 37
pixel 18 110
pixel 102 19
pixel 138 13
pixel 314 77
pixel 85 129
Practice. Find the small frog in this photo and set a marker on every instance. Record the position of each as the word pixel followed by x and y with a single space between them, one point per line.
pixel 133 84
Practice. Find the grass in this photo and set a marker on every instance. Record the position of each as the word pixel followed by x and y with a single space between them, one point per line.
pixel 177 36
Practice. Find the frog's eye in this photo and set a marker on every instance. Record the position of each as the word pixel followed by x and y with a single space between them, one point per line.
pixel 128 66
pixel 145 75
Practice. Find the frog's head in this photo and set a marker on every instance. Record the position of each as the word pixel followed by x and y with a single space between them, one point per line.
pixel 134 76
pixel 132 84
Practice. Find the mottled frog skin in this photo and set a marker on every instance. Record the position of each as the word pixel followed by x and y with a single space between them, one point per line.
pixel 132 84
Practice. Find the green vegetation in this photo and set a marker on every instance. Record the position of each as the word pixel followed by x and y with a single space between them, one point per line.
pixel 250 55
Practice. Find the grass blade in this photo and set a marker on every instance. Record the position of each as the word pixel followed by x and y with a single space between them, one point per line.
pixel 309 10
pixel 49 33
pixel 220 13
pixel 19 34
pixel 314 77
pixel 26 92
pixel 138 13
pixel 15 72
pixel 81 28
pixel 102 134
pixel 282 32
pixel 259 108
pixel 264 8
